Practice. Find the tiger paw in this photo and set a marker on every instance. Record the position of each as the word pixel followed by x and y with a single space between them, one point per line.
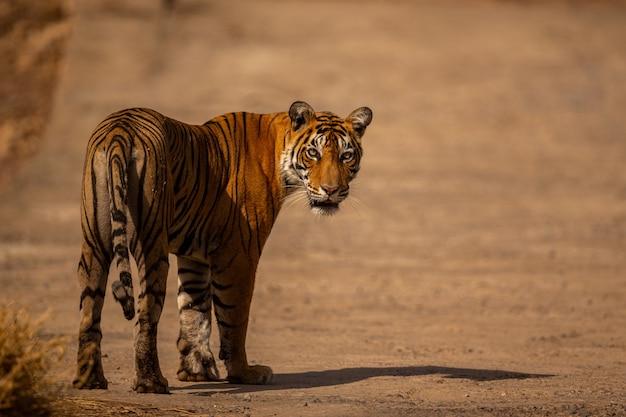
pixel 155 385
pixel 208 372
pixel 92 380
pixel 89 372
pixel 253 375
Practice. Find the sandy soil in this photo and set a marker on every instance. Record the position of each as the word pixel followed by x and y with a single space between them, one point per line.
pixel 483 269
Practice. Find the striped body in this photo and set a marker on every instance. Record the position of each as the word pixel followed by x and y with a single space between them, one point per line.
pixel 208 194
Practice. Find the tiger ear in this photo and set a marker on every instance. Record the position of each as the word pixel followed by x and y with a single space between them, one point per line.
pixel 301 114
pixel 360 119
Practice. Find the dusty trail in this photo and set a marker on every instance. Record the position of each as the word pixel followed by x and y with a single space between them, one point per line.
pixel 483 271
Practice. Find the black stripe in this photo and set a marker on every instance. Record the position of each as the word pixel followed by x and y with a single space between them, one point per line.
pixel 192 290
pixel 219 286
pixel 189 271
pixel 118 216
pixel 126 278
pixel 186 245
pixel 222 304
pixel 222 323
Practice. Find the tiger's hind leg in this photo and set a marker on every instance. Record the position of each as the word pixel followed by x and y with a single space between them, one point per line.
pixel 93 269
pixel 153 278
pixel 194 306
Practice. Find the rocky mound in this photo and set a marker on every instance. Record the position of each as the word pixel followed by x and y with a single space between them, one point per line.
pixel 32 39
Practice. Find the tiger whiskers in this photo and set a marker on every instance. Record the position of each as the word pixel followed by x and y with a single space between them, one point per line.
pixel 295 197
pixel 295 190
pixel 359 207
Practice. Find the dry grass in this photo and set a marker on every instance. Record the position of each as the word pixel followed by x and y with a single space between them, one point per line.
pixel 25 358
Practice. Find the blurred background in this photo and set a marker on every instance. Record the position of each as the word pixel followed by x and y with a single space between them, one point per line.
pixel 481 268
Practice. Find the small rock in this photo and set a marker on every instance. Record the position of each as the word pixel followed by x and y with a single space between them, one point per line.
pixel 247 397
pixel 306 404
pixel 466 395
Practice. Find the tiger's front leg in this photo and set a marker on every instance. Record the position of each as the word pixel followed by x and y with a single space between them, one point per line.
pixel 194 307
pixel 232 292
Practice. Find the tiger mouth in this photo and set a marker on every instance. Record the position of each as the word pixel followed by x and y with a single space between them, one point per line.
pixel 325 208
pixel 323 204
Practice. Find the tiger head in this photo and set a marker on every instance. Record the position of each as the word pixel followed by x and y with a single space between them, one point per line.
pixel 323 154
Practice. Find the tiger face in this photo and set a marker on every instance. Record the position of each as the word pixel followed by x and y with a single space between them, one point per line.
pixel 324 155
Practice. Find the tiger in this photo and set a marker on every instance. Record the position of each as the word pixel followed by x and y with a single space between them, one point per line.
pixel 208 194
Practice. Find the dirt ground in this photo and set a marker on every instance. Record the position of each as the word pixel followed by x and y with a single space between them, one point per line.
pixel 482 270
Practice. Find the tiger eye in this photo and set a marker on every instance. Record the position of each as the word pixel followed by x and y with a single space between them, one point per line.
pixel 312 153
pixel 347 156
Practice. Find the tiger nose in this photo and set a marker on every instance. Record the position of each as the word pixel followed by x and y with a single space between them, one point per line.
pixel 330 189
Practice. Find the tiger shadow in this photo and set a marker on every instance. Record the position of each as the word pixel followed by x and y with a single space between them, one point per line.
pixel 332 377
